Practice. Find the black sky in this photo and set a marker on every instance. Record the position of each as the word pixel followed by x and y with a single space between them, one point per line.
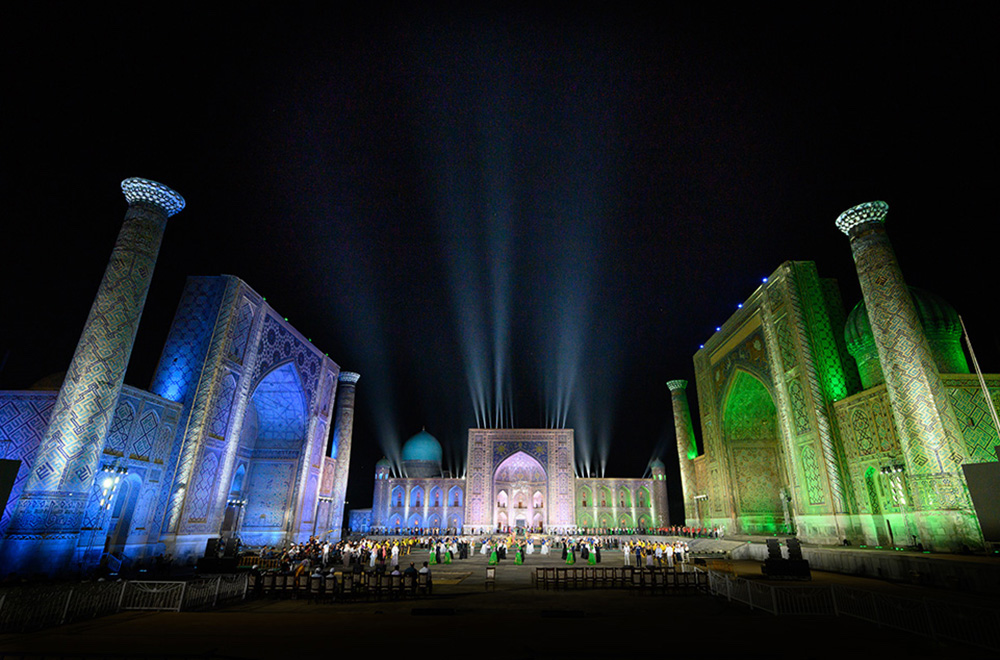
pixel 629 176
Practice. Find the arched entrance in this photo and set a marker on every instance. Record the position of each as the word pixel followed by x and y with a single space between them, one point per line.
pixel 522 482
pixel 120 523
pixel 271 445
pixel 750 425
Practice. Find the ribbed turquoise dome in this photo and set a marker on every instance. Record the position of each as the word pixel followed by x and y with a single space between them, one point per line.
pixel 422 447
pixel 657 463
pixel 383 462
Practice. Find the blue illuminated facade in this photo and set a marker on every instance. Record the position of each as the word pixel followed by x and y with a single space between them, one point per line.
pixel 234 439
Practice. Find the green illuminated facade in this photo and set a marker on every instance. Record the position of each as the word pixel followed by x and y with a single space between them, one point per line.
pixel 835 426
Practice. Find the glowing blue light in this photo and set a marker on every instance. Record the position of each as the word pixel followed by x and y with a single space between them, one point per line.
pixel 764 280
pixel 151 192
pixel 739 306
pixel 718 328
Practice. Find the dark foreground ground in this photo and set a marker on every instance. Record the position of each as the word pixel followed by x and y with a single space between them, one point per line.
pixel 462 620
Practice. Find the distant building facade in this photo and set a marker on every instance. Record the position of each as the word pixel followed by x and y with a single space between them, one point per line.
pixel 515 479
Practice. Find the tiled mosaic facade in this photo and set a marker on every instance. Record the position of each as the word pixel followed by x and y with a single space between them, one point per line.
pixel 261 408
pixel 794 444
pixel 232 440
pixel 139 441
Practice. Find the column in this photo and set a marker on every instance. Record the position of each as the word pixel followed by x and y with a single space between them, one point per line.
pixel 43 532
pixel 687 448
pixel 343 428
pixel 932 445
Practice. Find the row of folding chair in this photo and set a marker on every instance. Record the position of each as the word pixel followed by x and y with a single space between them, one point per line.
pixel 380 586
pixel 655 580
pixel 286 585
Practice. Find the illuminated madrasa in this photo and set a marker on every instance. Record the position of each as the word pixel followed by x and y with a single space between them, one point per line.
pixel 245 431
pixel 515 479
pixel 838 426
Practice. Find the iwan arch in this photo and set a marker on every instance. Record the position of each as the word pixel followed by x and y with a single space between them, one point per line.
pixel 838 426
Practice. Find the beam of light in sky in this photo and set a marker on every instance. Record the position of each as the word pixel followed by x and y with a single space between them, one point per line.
pixel 471 162
pixel 332 215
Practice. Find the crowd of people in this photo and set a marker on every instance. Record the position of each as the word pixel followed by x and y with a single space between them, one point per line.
pixel 386 555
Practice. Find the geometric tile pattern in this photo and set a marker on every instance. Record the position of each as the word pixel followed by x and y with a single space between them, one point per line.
pixel 757 481
pixel 121 427
pixel 223 405
pixel 199 399
pixel 83 411
pixel 930 436
pixel 279 345
pixel 973 414
pixel 69 453
pixel 241 333
pixel 23 417
pixel 187 344
pixel 797 400
pixel 551 448
pixel 785 343
pixel 145 434
pixel 810 473
pixel 821 363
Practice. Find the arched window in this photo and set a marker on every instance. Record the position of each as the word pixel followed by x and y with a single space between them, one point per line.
pixel 416 496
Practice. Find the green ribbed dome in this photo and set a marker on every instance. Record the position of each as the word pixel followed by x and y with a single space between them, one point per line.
pixel 941 327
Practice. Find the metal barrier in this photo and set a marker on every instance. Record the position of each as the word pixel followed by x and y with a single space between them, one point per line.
pixel 143 595
pixel 31 607
pixel 940 620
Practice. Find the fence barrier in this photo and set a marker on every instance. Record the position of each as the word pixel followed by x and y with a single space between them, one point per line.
pixel 31 607
pixel 941 620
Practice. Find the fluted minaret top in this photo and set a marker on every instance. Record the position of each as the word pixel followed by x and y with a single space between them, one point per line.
pixel 151 192
pixel 862 214
pixel 677 385
pixel 349 377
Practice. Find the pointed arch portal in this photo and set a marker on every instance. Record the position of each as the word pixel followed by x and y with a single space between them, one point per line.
pixel 524 482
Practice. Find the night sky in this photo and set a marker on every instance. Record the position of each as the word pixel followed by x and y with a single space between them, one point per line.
pixel 539 216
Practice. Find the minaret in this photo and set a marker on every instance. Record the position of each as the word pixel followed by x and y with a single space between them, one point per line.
pixel 687 448
pixel 43 532
pixel 661 509
pixel 343 428
pixel 933 448
pixel 380 497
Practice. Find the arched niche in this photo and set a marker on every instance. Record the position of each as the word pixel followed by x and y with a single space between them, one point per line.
pixel 750 429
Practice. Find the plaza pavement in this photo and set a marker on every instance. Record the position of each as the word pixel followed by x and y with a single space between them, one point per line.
pixel 461 619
